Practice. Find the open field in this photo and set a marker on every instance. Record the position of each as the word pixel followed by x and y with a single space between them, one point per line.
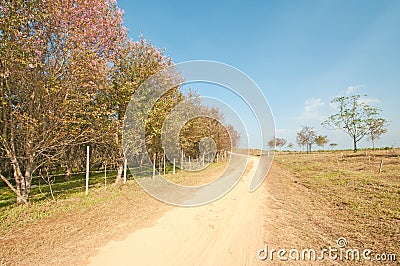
pixel 363 204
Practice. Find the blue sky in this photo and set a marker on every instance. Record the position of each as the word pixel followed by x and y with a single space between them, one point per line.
pixel 301 54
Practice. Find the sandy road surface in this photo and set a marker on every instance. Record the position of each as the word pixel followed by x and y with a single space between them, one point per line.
pixel 226 232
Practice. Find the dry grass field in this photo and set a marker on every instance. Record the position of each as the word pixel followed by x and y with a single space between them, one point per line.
pixel 362 202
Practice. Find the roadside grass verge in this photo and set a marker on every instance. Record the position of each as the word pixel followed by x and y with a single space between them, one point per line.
pixel 78 224
pixel 196 178
pixel 16 216
pixel 61 188
pixel 70 195
pixel 68 230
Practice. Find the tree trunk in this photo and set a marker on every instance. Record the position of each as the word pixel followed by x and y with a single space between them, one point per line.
pixel 26 180
pixel 68 172
pixel 160 165
pixel 22 192
pixel 22 196
pixel 308 148
pixel 118 179
pixel 28 177
pixel 355 143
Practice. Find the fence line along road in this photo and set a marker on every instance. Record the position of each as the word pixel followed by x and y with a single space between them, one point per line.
pixel 51 185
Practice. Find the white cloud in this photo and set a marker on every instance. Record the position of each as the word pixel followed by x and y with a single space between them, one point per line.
pixel 355 89
pixel 312 109
pixel 281 132
pixel 333 105
pixel 369 100
pixel 363 99
pixel 312 104
pixel 352 89
pixel 314 116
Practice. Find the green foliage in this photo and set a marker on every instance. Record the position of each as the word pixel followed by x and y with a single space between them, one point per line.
pixel 376 128
pixel 354 117
pixel 321 140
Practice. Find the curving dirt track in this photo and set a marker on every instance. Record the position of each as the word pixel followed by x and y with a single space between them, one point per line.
pixel 228 231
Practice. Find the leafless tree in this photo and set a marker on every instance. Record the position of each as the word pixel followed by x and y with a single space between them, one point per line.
pixel 276 143
pixel 306 137
pixel 376 128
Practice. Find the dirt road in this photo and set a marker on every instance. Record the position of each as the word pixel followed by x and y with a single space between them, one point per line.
pixel 226 232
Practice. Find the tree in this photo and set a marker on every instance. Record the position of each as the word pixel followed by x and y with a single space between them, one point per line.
pixel 376 128
pixel 353 117
pixel 49 51
pixel 138 61
pixel 306 137
pixel 280 142
pixel 209 124
pixel 272 143
pixel 321 140
pixel 234 137
pixel 332 145
pixel 276 143
pixel 67 74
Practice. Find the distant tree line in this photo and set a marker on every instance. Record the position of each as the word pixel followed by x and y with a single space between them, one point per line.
pixel 356 118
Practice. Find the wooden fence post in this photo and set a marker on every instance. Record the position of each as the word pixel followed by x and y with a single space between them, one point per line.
pixel 154 167
pixel 182 160
pixel 87 170
pixel 125 163
pixel 173 171
pixel 164 163
pixel 380 166
pixel 105 176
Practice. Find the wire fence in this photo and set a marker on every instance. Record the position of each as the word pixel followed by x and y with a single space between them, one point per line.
pixel 59 185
